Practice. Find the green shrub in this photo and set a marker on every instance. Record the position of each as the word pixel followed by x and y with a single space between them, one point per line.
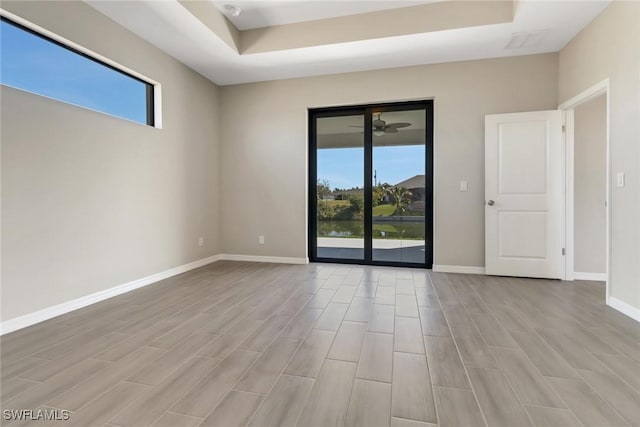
pixel 325 211
pixel 356 204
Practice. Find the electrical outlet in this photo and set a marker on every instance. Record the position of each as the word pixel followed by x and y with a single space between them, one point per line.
pixel 464 186
pixel 261 240
pixel 201 241
pixel 620 179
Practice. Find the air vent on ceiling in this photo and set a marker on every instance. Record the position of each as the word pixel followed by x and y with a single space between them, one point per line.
pixel 528 40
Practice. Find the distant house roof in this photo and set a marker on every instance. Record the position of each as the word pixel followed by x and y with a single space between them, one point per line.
pixel 413 182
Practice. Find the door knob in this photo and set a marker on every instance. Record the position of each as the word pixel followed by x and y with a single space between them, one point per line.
pixel 491 202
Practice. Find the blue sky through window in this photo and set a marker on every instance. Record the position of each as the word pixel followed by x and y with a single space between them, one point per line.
pixel 344 167
pixel 37 65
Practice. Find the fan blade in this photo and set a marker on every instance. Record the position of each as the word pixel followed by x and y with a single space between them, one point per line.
pixel 388 129
pixel 379 123
pixel 398 125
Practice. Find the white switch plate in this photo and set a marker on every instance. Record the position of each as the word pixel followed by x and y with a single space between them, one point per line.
pixel 464 186
pixel 620 179
pixel 261 240
pixel 201 241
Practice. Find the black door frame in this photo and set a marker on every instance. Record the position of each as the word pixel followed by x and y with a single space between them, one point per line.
pixel 367 111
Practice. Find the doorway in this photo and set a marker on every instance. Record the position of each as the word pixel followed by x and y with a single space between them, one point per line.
pixel 371 184
pixel 575 197
pixel 589 190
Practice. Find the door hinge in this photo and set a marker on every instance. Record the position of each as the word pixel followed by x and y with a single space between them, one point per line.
pixel 564 251
pixel 564 128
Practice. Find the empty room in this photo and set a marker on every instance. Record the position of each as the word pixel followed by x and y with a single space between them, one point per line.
pixel 321 213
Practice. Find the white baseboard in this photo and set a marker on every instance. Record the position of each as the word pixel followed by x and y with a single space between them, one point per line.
pixel 65 307
pixel 463 269
pixel 596 277
pixel 57 310
pixel 259 258
pixel 624 308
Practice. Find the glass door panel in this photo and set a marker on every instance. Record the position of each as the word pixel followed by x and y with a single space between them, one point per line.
pixel 371 184
pixel 340 226
pixel 399 196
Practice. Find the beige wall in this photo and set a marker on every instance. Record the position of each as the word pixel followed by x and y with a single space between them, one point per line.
pixel 590 186
pixel 85 194
pixel 608 48
pixel 264 146
pixel 91 201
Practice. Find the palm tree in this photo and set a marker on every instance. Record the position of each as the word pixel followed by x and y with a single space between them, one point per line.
pixel 379 192
pixel 401 197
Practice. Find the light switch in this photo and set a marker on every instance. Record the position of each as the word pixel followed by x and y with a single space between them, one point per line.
pixel 463 186
pixel 620 179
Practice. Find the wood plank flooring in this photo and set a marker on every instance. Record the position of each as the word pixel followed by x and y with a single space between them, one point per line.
pixel 245 344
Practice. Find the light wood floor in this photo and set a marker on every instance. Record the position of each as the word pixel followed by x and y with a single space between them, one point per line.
pixel 235 344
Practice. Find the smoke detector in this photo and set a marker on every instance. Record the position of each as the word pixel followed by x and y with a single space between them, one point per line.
pixel 232 9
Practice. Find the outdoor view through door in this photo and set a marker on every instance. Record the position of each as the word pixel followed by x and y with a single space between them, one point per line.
pixel 371 184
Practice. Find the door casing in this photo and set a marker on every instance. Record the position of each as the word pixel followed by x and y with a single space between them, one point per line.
pixel 568 107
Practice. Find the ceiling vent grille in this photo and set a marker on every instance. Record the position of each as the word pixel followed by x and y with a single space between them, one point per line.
pixel 528 40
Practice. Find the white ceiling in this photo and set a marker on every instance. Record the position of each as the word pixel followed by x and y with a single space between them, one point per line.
pixel 169 26
pixel 259 14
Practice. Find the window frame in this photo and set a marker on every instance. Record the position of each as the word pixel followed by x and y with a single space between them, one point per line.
pixel 153 88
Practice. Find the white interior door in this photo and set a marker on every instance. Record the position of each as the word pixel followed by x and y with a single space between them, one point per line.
pixel 524 209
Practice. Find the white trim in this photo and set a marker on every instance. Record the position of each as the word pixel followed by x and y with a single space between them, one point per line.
pixel 596 277
pixel 157 87
pixel 624 308
pixel 587 95
pixel 463 269
pixel 157 105
pixel 259 258
pixel 569 106
pixel 65 307
pixel 57 310
pixel 568 195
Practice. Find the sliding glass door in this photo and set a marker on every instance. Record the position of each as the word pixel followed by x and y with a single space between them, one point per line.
pixel 371 181
pixel 340 186
pixel 398 207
